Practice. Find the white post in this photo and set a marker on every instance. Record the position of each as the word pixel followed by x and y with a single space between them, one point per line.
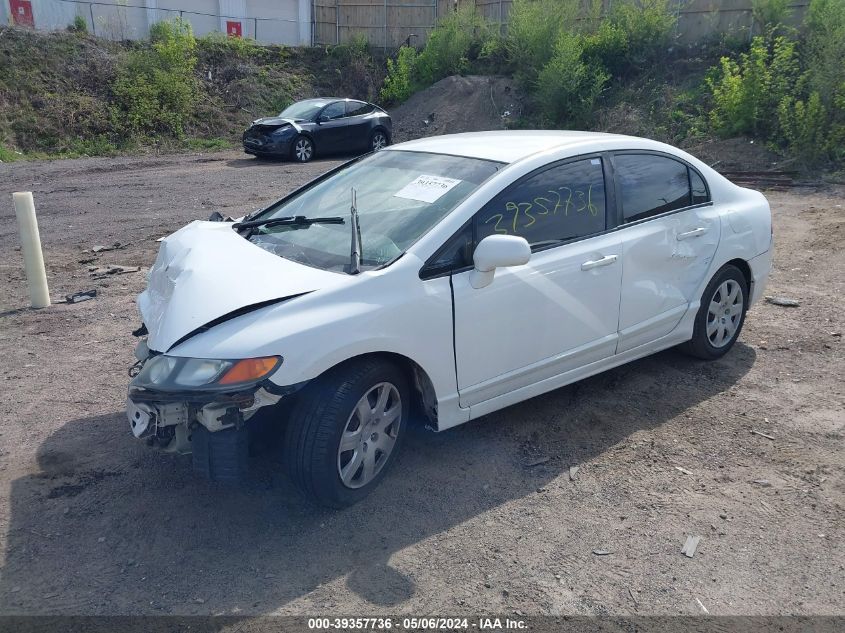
pixel 36 277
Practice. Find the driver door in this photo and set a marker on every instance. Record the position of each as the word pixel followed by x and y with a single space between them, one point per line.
pixel 560 311
pixel 331 132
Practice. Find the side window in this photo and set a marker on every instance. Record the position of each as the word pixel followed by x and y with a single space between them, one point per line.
pixel 335 110
pixel 455 254
pixel 699 189
pixel 650 185
pixel 357 108
pixel 560 203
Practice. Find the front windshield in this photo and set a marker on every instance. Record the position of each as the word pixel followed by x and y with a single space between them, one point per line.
pixel 303 110
pixel 400 196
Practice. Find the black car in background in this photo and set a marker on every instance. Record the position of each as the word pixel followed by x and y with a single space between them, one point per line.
pixel 325 126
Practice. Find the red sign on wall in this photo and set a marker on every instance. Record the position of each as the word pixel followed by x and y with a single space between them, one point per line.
pixel 22 12
pixel 233 29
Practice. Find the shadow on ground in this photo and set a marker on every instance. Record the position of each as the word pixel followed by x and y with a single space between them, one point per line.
pixel 107 527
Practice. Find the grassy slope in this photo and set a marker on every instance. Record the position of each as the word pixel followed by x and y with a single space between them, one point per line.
pixel 55 96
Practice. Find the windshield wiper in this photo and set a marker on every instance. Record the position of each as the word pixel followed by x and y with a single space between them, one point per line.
pixel 356 247
pixel 293 220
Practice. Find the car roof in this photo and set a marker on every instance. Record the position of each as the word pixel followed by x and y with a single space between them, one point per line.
pixel 506 146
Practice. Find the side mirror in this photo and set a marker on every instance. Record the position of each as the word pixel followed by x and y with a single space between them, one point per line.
pixel 497 251
pixel 322 119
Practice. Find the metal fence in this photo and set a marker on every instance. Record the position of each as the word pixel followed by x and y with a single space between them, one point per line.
pixel 390 23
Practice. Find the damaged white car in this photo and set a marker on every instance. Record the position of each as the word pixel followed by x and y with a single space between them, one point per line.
pixel 436 281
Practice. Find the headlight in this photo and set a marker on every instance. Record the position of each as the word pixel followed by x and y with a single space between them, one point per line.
pixel 283 131
pixel 171 373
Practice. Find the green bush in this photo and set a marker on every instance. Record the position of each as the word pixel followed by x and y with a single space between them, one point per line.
pixel 747 93
pixel 155 90
pixel 825 24
pixel 567 86
pixel 633 36
pixel 770 14
pixel 804 126
pixel 220 45
pixel 457 39
pixel 399 82
pixel 534 27
pixel 79 25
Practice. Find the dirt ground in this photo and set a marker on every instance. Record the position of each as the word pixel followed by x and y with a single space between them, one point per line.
pixel 490 517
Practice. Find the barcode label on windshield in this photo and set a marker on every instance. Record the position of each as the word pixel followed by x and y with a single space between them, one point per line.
pixel 427 188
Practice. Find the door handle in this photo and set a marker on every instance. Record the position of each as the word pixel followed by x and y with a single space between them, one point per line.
pixel 694 233
pixel 597 263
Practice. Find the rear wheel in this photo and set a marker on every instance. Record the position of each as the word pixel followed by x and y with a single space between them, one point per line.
pixel 721 315
pixel 378 140
pixel 346 430
pixel 303 149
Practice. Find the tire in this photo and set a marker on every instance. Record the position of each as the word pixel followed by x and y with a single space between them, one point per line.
pixel 379 140
pixel 721 315
pixel 221 456
pixel 302 149
pixel 329 410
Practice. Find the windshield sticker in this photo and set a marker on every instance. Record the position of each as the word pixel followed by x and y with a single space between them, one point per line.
pixel 427 188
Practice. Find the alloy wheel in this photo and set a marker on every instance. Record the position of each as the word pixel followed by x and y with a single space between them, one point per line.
pixel 379 142
pixel 724 314
pixel 369 435
pixel 303 150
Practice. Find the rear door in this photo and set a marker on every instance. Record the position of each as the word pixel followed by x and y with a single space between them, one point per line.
pixel 670 231
pixel 558 312
pixel 359 124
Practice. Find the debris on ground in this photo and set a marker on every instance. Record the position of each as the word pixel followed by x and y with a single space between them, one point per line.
pixel 761 434
pixel 690 546
pixel 79 297
pixel 783 302
pixel 683 470
pixel 101 272
pixel 99 248
pixel 573 472
pixel 703 608
pixel 602 552
pixel 765 483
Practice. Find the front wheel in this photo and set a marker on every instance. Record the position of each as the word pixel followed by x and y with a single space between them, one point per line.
pixel 346 430
pixel 303 149
pixel 378 140
pixel 721 315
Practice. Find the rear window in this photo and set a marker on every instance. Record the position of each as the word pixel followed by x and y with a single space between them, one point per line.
pixel 357 108
pixel 651 185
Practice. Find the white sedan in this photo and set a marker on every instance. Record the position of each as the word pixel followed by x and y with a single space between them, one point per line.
pixel 436 281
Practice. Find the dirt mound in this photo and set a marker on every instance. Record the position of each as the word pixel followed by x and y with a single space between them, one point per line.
pixel 456 104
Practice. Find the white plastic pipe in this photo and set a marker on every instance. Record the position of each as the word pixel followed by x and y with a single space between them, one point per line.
pixel 36 276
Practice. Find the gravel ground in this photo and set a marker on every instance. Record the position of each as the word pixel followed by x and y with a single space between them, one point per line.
pixel 489 517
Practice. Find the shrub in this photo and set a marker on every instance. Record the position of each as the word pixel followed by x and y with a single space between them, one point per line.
pixel 79 25
pixel 770 14
pixel 398 85
pixel 155 90
pixel 217 45
pixel 804 126
pixel 567 86
pixel 634 35
pixel 746 94
pixel 534 27
pixel 825 24
pixel 457 38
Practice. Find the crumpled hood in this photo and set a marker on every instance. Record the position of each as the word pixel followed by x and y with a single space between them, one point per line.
pixel 274 120
pixel 206 270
